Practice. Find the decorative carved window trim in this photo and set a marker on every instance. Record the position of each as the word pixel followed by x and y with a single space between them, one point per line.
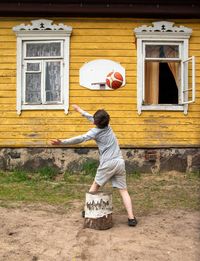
pixel 161 32
pixel 43 30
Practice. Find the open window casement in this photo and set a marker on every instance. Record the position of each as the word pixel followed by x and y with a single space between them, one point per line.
pixel 188 83
pixel 163 68
pixel 42 66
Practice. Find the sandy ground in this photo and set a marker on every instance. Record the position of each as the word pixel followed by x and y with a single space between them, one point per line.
pixel 40 232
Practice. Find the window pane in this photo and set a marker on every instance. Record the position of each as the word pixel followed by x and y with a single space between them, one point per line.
pixel 34 67
pixel 43 49
pixel 162 51
pixel 53 81
pixel 162 81
pixel 33 88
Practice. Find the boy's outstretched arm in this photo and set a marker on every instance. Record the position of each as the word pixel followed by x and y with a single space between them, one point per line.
pixel 83 113
pixel 76 140
pixel 77 108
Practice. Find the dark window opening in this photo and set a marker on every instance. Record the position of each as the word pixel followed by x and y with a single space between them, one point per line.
pixel 168 90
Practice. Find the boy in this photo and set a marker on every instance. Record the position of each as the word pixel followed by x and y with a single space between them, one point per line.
pixel 112 166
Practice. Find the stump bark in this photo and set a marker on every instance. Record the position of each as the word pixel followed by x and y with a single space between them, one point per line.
pixel 98 211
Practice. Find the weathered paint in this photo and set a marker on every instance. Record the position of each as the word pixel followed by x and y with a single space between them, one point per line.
pixel 96 39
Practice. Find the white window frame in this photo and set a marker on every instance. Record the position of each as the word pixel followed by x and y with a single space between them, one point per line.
pixel 42 30
pixel 42 63
pixel 163 33
pixel 186 88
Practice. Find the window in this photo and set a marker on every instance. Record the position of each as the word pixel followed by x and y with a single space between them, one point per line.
pixel 42 66
pixel 165 74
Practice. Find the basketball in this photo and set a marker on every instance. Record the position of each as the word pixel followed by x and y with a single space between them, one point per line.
pixel 114 80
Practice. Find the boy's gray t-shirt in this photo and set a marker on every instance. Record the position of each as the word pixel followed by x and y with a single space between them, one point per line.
pixel 105 138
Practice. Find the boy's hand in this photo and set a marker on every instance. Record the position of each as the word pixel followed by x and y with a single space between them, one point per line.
pixel 56 142
pixel 76 107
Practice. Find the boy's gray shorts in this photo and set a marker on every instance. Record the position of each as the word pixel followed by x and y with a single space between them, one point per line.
pixel 113 170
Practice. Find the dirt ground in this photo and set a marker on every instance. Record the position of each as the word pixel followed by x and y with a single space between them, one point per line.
pixel 46 233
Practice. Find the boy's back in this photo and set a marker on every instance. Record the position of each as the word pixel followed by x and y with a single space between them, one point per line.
pixel 107 143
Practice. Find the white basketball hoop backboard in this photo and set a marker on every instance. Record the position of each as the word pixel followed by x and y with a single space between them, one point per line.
pixel 93 74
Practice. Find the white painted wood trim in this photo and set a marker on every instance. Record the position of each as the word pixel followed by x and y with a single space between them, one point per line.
pixel 19 76
pixel 139 76
pixel 66 75
pixel 160 107
pixel 43 107
pixel 36 32
pixel 157 34
pixel 186 87
pixel 161 29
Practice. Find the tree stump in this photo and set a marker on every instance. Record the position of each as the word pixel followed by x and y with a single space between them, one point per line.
pixel 98 211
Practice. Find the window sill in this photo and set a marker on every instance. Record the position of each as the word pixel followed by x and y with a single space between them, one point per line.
pixel 37 107
pixel 43 107
pixel 163 107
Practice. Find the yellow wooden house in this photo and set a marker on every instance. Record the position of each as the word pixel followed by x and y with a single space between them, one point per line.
pixel 155 114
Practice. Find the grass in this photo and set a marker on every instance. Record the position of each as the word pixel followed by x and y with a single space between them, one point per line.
pixel 149 192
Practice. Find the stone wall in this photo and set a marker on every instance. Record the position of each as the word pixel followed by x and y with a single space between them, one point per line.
pixel 72 159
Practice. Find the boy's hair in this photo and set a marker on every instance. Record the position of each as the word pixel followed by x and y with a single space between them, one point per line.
pixel 101 119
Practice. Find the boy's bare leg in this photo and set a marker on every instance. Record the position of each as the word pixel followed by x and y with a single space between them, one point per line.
pixel 94 188
pixel 127 202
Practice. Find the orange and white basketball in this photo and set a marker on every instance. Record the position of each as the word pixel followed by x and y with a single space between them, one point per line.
pixel 114 80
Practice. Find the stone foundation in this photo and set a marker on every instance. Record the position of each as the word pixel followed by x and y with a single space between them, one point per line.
pixel 72 159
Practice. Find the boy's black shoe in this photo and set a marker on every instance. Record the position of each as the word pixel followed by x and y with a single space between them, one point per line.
pixel 83 213
pixel 132 222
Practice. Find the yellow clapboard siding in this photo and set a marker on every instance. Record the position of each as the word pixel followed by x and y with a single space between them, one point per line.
pixel 7 66
pixel 117 100
pixel 23 135
pixel 111 93
pixel 124 143
pixel 103 39
pixel 6 32
pixel 102 46
pixel 11 59
pixel 7 94
pixel 8 45
pixel 84 59
pixel 128 66
pixel 129 135
pixel 59 117
pixel 106 52
pixel 7 101
pixel 96 38
pixel 116 118
pixel 194 46
pixel 7 73
pixel 10 87
pixel 5 80
pixel 159 143
pixel 7 38
pixel 8 52
pixel 23 143
pixel 129 128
